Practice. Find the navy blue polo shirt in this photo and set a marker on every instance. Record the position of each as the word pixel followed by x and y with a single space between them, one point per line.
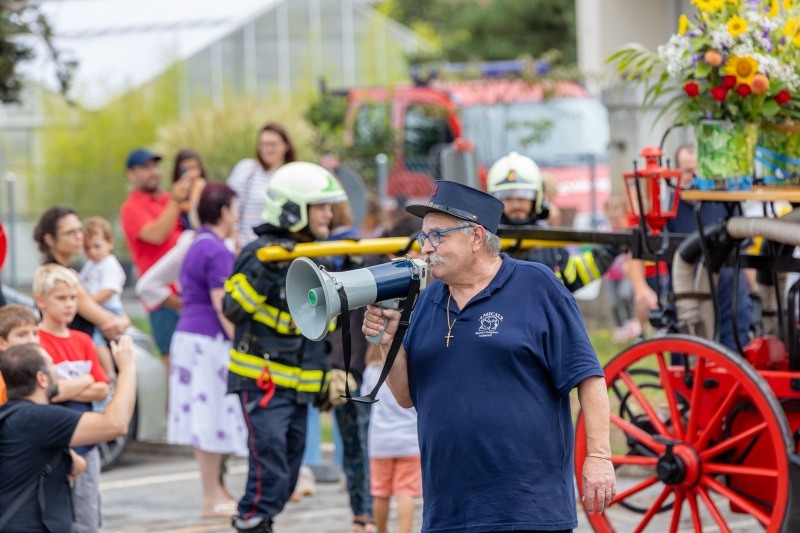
pixel 495 425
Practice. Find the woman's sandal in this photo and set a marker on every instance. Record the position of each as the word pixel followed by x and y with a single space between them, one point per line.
pixel 361 525
pixel 225 509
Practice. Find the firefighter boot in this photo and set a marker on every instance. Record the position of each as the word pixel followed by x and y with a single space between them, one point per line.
pixel 257 524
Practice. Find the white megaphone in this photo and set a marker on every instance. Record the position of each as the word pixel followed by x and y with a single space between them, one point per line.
pixel 313 298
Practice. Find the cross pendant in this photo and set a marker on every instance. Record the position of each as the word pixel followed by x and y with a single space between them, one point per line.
pixel 448 337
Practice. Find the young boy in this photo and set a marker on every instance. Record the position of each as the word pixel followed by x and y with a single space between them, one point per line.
pixel 103 278
pixel 19 325
pixel 82 379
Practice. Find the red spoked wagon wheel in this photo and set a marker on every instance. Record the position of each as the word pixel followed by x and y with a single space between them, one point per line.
pixel 698 440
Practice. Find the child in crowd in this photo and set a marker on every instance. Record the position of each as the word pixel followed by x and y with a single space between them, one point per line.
pixel 82 379
pixel 393 450
pixel 103 278
pixel 18 325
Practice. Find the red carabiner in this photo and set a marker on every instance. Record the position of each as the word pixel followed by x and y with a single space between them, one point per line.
pixel 265 383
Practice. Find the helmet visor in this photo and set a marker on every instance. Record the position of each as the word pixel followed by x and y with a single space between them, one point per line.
pixel 525 194
pixel 331 200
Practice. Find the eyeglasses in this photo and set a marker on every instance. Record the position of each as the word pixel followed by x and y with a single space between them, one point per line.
pixel 74 232
pixel 435 236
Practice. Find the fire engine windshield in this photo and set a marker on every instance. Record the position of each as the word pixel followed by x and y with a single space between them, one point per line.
pixel 559 132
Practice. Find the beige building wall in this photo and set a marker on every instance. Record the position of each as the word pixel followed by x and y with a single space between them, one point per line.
pixel 604 26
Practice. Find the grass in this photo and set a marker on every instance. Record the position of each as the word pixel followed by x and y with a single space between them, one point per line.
pixel 142 324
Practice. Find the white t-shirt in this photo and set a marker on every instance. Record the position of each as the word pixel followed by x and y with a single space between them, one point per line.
pixel 392 429
pixel 249 180
pixel 105 274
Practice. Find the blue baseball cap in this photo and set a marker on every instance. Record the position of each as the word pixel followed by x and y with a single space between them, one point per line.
pixel 139 157
pixel 460 201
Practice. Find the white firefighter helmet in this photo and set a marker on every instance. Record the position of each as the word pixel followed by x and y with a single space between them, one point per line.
pixel 293 188
pixel 516 176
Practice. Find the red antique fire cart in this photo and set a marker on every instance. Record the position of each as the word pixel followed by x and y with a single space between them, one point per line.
pixel 705 437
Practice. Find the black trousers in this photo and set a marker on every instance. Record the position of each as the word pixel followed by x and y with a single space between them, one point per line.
pixel 276 441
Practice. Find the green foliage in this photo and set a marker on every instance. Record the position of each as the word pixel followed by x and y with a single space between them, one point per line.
pixel 327 116
pixel 358 143
pixel 466 30
pixel 22 18
pixel 538 130
pixel 84 158
pixel 226 134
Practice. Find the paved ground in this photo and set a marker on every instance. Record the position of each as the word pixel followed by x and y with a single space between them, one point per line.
pixel 156 489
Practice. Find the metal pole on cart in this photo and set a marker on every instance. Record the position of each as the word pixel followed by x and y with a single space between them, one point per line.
pixel 382 177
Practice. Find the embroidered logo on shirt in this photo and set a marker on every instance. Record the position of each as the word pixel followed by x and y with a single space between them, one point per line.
pixel 489 323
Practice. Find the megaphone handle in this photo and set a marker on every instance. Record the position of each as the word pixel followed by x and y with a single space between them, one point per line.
pixel 387 304
pixel 405 316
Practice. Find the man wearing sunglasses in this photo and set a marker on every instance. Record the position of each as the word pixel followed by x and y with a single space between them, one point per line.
pixel 493 349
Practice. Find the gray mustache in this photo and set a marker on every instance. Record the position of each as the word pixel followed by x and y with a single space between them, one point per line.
pixel 435 259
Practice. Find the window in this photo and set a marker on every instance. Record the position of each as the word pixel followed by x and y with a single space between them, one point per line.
pixel 426 132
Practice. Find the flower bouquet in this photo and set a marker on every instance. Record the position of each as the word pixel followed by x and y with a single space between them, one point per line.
pixel 731 69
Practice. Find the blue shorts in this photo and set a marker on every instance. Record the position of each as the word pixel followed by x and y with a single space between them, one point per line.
pixel 162 323
pixel 97 336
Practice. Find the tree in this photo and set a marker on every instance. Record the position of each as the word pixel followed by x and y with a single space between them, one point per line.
pixel 490 29
pixel 18 19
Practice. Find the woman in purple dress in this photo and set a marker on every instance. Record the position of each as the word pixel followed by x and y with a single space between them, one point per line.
pixel 200 412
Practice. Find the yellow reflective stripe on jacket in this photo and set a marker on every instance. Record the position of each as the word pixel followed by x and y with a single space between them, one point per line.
pixel 288 377
pixel 245 295
pixel 570 272
pixel 594 272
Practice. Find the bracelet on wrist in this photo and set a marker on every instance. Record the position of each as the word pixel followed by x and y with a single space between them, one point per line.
pixel 599 456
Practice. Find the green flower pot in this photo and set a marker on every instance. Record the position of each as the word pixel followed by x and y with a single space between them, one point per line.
pixel 725 155
pixel 778 155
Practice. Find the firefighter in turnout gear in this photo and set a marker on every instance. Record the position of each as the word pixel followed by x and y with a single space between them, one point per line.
pixel 517 181
pixel 274 369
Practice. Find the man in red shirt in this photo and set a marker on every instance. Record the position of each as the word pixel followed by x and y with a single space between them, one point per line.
pixel 151 223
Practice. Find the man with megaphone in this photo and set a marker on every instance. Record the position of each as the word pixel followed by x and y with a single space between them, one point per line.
pixel 274 369
pixel 492 351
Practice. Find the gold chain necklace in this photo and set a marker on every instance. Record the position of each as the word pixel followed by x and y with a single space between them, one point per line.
pixel 449 325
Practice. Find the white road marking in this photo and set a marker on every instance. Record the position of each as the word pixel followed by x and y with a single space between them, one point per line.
pixel 161 479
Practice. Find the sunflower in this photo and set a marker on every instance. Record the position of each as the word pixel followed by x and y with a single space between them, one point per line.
pixel 709 5
pixel 792 30
pixel 774 9
pixel 736 26
pixel 787 4
pixel 683 25
pixel 743 67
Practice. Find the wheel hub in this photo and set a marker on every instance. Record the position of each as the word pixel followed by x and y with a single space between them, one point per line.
pixel 670 469
pixel 680 464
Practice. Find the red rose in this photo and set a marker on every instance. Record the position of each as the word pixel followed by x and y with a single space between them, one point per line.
pixel 783 97
pixel 719 93
pixel 728 81
pixel 691 89
pixel 743 90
